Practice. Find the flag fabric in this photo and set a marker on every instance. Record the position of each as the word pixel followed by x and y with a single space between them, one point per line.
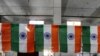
pixel 5 37
pixel 74 39
pixel 39 38
pixel 47 37
pixel 0 37
pixel 55 38
pixel 98 39
pixel 63 38
pixel 86 38
pixel 22 39
pixel 78 37
pixel 90 39
pixel 70 38
pixel 31 40
pixel 94 39
pixel 15 37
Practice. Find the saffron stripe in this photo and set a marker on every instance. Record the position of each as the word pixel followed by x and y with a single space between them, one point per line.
pixel 0 37
pixel 55 43
pixel 78 32
pixel 6 37
pixel 30 38
pixel 98 39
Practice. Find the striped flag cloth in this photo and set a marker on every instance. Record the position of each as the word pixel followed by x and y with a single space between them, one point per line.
pixel 70 38
pixel 5 37
pixel 46 37
pixel 91 39
pixel 22 37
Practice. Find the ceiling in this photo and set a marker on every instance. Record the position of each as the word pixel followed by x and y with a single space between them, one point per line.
pixel 83 10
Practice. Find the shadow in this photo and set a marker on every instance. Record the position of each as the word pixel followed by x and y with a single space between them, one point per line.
pixel 28 54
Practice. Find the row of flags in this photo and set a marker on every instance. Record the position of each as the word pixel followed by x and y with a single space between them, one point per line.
pixel 57 38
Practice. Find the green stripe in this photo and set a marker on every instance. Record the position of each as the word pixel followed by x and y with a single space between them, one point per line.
pixel 86 38
pixel 39 37
pixel 63 38
pixel 15 37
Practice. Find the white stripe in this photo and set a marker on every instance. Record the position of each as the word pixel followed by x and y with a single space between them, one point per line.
pixel 86 54
pixel 71 43
pixel 63 54
pixel 47 42
pixel 94 46
pixel 41 54
pixel 22 43
pixel 57 54
pixel 0 37
pixel 78 54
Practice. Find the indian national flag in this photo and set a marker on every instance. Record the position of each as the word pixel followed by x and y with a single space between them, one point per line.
pixel 22 38
pixel 70 38
pixel 91 39
pixel 5 37
pixel 46 38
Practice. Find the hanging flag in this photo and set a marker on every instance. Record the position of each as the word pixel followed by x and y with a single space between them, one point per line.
pixel 22 37
pixel 47 37
pixel 90 39
pixel 74 39
pixel 55 38
pixel 39 39
pixel 70 38
pixel 48 40
pixel 5 37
